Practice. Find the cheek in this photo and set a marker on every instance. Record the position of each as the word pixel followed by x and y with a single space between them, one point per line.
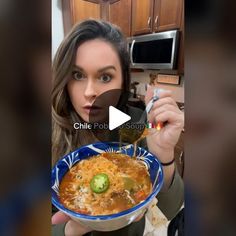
pixel 75 93
pixel 114 86
pixel 117 84
pixel 121 83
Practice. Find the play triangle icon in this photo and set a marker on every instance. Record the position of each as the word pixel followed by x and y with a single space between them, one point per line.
pixel 117 118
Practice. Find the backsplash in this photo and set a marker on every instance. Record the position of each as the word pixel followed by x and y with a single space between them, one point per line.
pixel 178 90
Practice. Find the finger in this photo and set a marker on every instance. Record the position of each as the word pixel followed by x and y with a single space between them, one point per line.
pixel 162 102
pixel 172 118
pixel 59 218
pixel 161 93
pixel 139 217
pixel 76 228
pixel 165 100
pixel 162 106
pixel 158 110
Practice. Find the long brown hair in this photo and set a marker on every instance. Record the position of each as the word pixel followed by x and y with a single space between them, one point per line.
pixel 64 137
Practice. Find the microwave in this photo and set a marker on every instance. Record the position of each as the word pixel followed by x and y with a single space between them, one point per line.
pixel 154 51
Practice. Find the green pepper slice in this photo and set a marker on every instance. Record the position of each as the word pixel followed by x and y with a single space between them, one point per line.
pixel 99 183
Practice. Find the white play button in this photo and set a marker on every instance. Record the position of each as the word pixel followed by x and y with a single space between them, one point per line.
pixel 116 118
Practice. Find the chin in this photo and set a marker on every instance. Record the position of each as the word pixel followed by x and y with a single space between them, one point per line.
pixel 84 117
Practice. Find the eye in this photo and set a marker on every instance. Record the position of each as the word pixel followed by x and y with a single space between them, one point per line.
pixel 105 78
pixel 77 75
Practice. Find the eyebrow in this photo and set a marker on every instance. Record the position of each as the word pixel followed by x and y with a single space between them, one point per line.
pixel 106 68
pixel 100 70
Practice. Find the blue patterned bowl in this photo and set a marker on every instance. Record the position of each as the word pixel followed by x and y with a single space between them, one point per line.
pixel 114 221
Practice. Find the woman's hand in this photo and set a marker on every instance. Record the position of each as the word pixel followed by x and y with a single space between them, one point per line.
pixel 164 110
pixel 72 227
pixel 139 217
pixel 162 142
pixel 75 228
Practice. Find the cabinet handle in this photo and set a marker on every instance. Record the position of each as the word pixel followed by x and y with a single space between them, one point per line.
pixel 149 21
pixel 156 19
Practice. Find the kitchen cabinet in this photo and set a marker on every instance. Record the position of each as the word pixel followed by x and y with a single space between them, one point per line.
pixel 142 14
pixel 78 10
pixel 115 11
pixel 119 13
pixel 167 14
pixel 155 15
pixel 134 17
pixel 83 9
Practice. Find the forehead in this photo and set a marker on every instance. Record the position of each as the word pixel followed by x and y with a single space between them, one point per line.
pixel 96 53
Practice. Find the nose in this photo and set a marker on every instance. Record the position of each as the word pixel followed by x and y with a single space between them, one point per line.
pixel 90 89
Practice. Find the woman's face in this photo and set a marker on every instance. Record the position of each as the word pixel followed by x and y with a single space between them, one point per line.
pixel 97 69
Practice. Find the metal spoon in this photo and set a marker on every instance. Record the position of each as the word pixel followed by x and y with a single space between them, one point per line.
pixel 135 134
pixel 149 106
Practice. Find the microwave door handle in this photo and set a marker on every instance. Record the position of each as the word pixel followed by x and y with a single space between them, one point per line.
pixel 131 51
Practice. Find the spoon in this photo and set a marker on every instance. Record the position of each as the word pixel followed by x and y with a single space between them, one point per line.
pixel 129 135
pixel 149 105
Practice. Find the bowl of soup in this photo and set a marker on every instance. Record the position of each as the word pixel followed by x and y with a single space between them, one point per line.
pixel 104 186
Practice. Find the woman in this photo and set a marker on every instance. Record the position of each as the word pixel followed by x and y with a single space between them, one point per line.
pixel 91 60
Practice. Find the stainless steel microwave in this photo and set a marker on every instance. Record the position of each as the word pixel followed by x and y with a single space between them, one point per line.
pixel 154 51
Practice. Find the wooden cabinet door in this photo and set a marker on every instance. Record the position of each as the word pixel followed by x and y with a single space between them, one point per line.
pixel 77 10
pixel 142 15
pixel 167 14
pixel 119 13
pixel 84 9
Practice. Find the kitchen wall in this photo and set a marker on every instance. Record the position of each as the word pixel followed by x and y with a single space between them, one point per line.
pixel 178 90
pixel 57 25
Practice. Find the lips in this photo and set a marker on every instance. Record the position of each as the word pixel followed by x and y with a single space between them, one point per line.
pixel 91 109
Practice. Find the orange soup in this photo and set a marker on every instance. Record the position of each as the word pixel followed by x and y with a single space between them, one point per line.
pixel 105 184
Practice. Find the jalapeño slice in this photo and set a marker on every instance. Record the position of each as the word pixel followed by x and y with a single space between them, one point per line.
pixel 99 183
